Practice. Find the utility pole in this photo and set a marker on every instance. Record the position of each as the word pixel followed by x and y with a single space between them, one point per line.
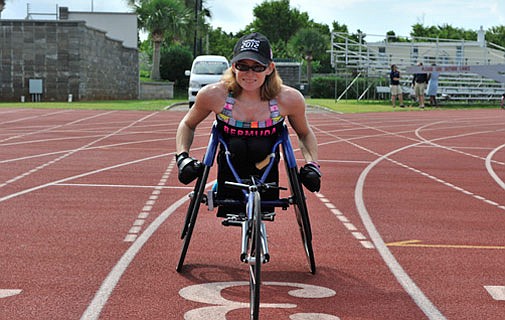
pixel 197 43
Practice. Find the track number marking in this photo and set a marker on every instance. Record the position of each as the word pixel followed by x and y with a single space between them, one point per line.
pixel 210 293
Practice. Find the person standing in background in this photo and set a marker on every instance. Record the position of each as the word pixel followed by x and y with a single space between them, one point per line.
pixel 419 82
pixel 396 88
pixel 433 87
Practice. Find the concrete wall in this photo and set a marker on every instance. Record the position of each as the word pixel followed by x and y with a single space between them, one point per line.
pixel 70 58
pixel 156 90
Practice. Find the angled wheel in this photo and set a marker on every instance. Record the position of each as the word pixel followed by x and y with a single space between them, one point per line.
pixel 191 214
pixel 255 259
pixel 302 215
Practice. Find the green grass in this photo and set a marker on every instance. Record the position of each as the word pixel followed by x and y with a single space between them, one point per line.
pixel 353 106
pixel 149 105
pixel 343 106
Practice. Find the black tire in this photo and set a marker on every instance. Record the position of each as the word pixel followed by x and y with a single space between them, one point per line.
pixel 255 267
pixel 191 206
pixel 192 213
pixel 302 216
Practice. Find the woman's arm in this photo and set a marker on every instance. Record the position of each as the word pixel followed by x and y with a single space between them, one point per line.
pixel 293 106
pixel 209 99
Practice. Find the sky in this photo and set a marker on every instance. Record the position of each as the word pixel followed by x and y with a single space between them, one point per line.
pixel 373 17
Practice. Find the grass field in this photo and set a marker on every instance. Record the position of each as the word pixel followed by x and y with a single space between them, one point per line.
pixel 343 106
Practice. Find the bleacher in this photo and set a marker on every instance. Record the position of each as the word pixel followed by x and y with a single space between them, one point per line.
pixel 373 60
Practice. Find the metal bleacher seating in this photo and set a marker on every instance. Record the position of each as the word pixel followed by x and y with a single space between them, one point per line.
pixel 373 60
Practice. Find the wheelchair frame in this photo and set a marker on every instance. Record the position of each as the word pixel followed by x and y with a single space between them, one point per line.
pixel 297 198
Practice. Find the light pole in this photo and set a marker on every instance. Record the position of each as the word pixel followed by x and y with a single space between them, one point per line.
pixel 91 5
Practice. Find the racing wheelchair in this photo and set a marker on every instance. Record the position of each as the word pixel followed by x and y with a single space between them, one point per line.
pixel 254 244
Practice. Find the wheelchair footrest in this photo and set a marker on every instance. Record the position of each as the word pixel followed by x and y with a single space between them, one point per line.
pixel 235 220
pixel 268 216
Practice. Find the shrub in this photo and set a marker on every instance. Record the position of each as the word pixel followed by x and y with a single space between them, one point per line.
pixel 173 62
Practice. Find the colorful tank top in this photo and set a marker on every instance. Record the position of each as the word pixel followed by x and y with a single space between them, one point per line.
pixel 231 127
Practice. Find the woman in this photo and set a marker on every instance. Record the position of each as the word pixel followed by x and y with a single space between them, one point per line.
pixel 433 87
pixel 250 104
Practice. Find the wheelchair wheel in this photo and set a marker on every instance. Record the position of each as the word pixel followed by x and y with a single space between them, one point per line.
pixel 302 216
pixel 255 260
pixel 191 214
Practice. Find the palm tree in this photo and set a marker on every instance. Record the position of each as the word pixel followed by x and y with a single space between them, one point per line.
pixel 161 18
pixel 308 42
pixel 2 6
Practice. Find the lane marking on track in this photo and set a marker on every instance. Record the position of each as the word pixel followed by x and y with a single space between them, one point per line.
pixel 448 184
pixel 497 292
pixel 35 117
pixel 345 221
pixel 57 127
pixel 102 295
pixel 429 309
pixel 144 214
pixel 73 151
pixel 488 160
pixel 490 169
pixel 93 185
pixel 419 244
pixel 217 307
pixel 5 293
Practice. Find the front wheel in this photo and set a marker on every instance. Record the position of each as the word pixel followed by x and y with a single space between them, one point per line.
pixel 255 259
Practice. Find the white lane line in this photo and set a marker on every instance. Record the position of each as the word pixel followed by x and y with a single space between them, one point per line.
pixel 35 116
pixel 490 169
pixel 56 127
pixel 61 181
pixel 497 292
pixel 429 309
pixel 5 293
pixel 66 155
pixel 345 221
pixel 94 185
pixel 94 309
pixel 137 224
pixel 90 148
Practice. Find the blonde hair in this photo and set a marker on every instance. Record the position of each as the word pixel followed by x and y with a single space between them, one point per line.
pixel 269 89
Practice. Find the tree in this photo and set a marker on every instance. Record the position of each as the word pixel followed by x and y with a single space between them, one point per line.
pixel 445 31
pixel 496 35
pixel 161 18
pixel 277 21
pixel 198 24
pixel 308 43
pixel 221 43
pixel 2 6
pixel 174 61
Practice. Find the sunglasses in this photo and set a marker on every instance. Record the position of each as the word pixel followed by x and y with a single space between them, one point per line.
pixel 245 67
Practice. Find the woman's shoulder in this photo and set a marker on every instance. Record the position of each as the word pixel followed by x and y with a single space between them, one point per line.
pixel 212 96
pixel 289 93
pixel 290 99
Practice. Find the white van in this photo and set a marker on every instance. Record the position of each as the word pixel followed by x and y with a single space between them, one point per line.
pixel 204 70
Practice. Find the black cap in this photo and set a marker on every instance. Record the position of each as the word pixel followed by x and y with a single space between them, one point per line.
pixel 254 46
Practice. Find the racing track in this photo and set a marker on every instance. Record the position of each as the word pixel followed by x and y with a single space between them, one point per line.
pixel 408 224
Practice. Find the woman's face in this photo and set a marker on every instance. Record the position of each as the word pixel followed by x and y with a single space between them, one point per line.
pixel 250 74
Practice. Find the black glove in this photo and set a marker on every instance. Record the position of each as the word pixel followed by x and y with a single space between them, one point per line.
pixel 311 177
pixel 189 168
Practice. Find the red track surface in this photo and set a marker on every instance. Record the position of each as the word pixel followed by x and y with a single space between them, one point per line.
pixel 408 225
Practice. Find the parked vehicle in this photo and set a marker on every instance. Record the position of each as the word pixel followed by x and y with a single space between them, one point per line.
pixel 205 69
